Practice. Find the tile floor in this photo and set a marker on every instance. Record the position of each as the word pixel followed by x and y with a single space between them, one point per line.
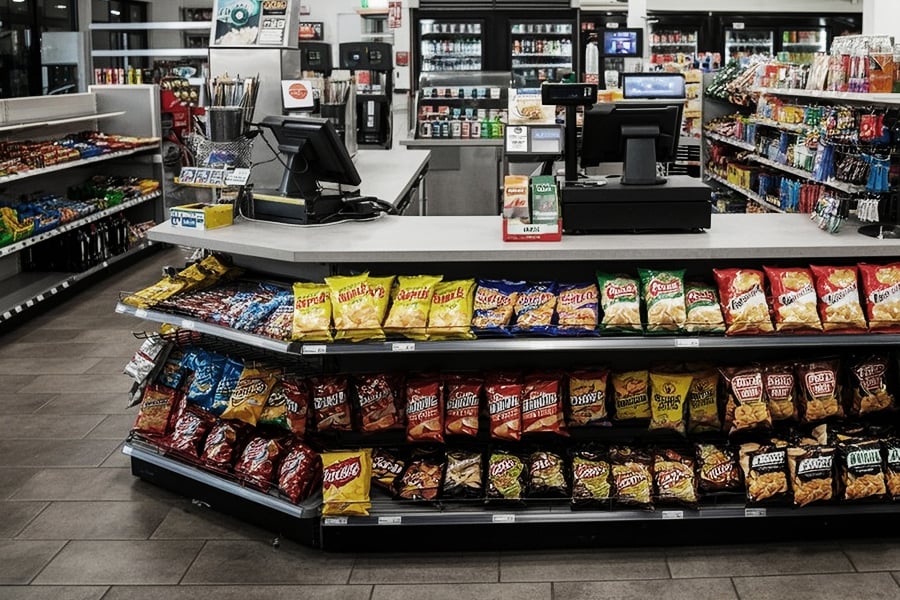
pixel 75 525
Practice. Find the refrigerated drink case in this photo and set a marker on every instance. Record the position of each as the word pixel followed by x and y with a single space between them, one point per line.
pixel 742 43
pixel 668 44
pixel 541 51
pixel 801 45
pixel 451 45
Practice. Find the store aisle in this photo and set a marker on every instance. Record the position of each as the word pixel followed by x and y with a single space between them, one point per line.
pixel 75 525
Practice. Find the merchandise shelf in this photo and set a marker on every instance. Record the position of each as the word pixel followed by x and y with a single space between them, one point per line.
pixel 745 192
pixel 55 122
pixel 542 65
pixel 731 141
pixel 832 183
pixel 540 34
pixel 673 44
pixel 153 25
pixel 541 55
pixel 41 237
pixel 792 127
pixel 885 99
pixel 76 163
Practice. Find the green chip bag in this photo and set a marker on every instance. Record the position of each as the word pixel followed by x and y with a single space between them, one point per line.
pixel 663 293
pixel 620 303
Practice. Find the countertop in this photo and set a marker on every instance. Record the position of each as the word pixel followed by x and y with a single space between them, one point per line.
pixel 389 174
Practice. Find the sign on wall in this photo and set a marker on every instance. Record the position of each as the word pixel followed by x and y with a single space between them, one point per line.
pixel 263 23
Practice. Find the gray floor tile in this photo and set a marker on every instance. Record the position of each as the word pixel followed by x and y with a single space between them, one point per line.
pixel 22 404
pixel 113 427
pixel 589 565
pixel 118 562
pixel 107 319
pixel 31 333
pixel 682 589
pixel 14 383
pixel 107 367
pixel 88 484
pixel 40 427
pixel 53 592
pixel 60 453
pixel 873 556
pixel 117 459
pixel 242 592
pixel 237 562
pixel 96 521
pixel 14 516
pixel 12 478
pixel 51 364
pixel 845 586
pixel 86 403
pixel 42 349
pixel 22 560
pixel 756 559
pixel 433 568
pixel 119 352
pixel 85 384
pixel 464 591
pixel 191 523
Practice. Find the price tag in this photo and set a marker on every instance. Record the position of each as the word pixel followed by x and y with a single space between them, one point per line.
pixel 238 177
pixel 127 451
pixel 503 518
pixel 314 349
pixel 672 514
pixel 185 324
pixel 393 520
pixel 140 313
pixel 334 521
pixel 120 308
pixel 403 347
pixel 688 343
pixel 737 25
pixel 754 512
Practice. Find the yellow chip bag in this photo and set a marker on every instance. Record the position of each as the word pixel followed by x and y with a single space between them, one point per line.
pixel 668 396
pixel 249 397
pixel 355 315
pixel 312 313
pixel 631 396
pixel 346 481
pixel 411 302
pixel 162 290
pixel 451 310
pixel 380 290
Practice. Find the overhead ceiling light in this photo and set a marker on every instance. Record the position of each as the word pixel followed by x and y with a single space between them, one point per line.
pixel 61 6
pixel 114 12
pixel 18 1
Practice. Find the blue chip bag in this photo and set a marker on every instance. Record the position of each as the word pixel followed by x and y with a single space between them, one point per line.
pixel 495 303
pixel 535 309
pixel 173 371
pixel 231 374
pixel 577 309
pixel 207 367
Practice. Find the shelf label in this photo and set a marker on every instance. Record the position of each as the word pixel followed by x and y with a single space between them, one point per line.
pixel 672 514
pixel 238 177
pixel 314 349
pixel 140 313
pixel 737 25
pixel 186 324
pixel 334 521
pixel 392 520
pixel 503 518
pixel 689 343
pixel 403 347
pixel 754 512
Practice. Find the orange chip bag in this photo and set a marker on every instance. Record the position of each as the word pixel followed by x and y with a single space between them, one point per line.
pixel 743 301
pixel 794 299
pixel 424 411
pixel 355 314
pixel 462 407
pixel 249 397
pixel 451 310
pixel 380 290
pixel 312 313
pixel 838 291
pixel 504 403
pixel 346 482
pixel 411 303
pixel 881 287
pixel 587 398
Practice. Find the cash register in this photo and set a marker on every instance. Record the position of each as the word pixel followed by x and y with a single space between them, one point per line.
pixel 639 132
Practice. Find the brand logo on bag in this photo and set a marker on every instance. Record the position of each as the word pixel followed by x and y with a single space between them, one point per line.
pixel 462 401
pixel 813 465
pixel 502 466
pixel 343 472
pixel 591 471
pixel 767 460
pixel 836 296
pixel 542 400
pixel 671 478
pixel 789 298
pixel 544 188
pixel 717 471
pixel 330 401
pixel 871 376
pixel 631 480
pixel 417 404
pixel 351 293
pixel 457 294
pixel 383 463
pixel 614 291
pixel 698 296
pixel 738 302
pixel 747 387
pixel 658 288
pixel 413 294
pixel 864 458
pixel 247 388
pixel 303 302
pixel 274 4
pixel 485 297
pixel 880 296
pixel 586 398
pixel 500 403
pixel 529 301
pixel 779 386
pixel 578 298
pixel 821 383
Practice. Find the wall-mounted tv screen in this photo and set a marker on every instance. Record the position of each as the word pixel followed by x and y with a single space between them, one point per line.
pixel 622 42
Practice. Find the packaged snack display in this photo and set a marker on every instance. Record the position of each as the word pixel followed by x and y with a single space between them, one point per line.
pixel 745 407
pixel 868 384
pixel 534 308
pixel 157 404
pixel 820 390
pixel 632 476
pixel 221 447
pixel 312 312
pixel 663 293
pixel 631 395
pixel 881 289
pixel 891 449
pixel 587 397
pixel 838 292
pixel 718 469
pixel 380 289
pixel 411 297
pixel 542 410
pixel 354 311
pixel 259 462
pixel 862 473
pixel 577 309
pixel 780 386
pixel 188 433
pixel 424 411
pixel 812 474
pixel 703 402
pixel 451 310
pixel 743 299
pixel 462 406
pixel 377 405
pixel 231 374
pixel 288 405
pixel 346 482
pixel 506 476
pixel 703 311
pixel 249 397
pixel 504 404
pixel 207 368
pixel 591 473
pixel 463 475
pixel 494 304
pixel 546 475
pixel 299 472
pixel 387 466
pixel 331 403
pixel 668 398
pixel 620 302
pixel 422 478
pixel 765 473
pixel 673 474
pixel 793 299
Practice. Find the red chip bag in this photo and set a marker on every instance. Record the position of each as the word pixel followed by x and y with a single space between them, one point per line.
pixel 296 392
pixel 504 403
pixel 220 448
pixel 157 405
pixel 189 431
pixel 331 403
pixel 398 388
pixel 542 405
pixel 462 407
pixel 300 472
pixel 424 411
pixel 838 292
pixel 881 287
pixel 793 299
pixel 743 300
pixel 377 408
pixel 259 461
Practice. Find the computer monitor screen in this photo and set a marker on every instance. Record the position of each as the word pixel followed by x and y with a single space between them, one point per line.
pixel 622 42
pixel 314 153
pixel 653 86
pixel 637 134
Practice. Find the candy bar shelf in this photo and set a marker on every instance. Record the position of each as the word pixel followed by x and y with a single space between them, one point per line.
pixel 731 141
pixel 744 192
pixel 127 110
pixel 832 183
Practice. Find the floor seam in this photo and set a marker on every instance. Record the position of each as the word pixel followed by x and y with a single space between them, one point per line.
pixel 734 587
pixel 193 560
pixel 47 564
pixel 47 504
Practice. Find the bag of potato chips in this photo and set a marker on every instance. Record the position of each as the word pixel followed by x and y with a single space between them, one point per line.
pixel 451 310
pixel 535 309
pixel 249 397
pixel 703 402
pixel 355 313
pixel 793 299
pixel 312 313
pixel 380 289
pixel 881 288
pixel 668 398
pixel 704 314
pixel 411 303
pixel 577 309
pixel 744 301
pixel 745 408
pixel 346 482
pixel 663 293
pixel 631 395
pixel 838 291
pixel 620 302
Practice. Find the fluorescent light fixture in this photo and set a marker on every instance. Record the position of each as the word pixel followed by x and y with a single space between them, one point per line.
pixel 61 6
pixel 114 12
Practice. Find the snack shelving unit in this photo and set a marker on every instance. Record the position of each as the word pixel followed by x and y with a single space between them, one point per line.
pixel 123 110
pixel 471 246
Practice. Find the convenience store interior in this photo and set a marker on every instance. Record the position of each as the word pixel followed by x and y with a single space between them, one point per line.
pixel 77 523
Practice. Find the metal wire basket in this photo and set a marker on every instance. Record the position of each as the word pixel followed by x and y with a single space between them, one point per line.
pixel 234 154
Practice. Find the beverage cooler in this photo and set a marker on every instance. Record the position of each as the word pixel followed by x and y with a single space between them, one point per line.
pixel 450 44
pixel 801 45
pixel 743 42
pixel 673 44
pixel 541 50
pixel 594 24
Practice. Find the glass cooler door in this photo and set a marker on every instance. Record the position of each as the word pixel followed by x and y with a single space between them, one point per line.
pixel 451 45
pixel 742 43
pixel 672 44
pixel 541 51
pixel 800 46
